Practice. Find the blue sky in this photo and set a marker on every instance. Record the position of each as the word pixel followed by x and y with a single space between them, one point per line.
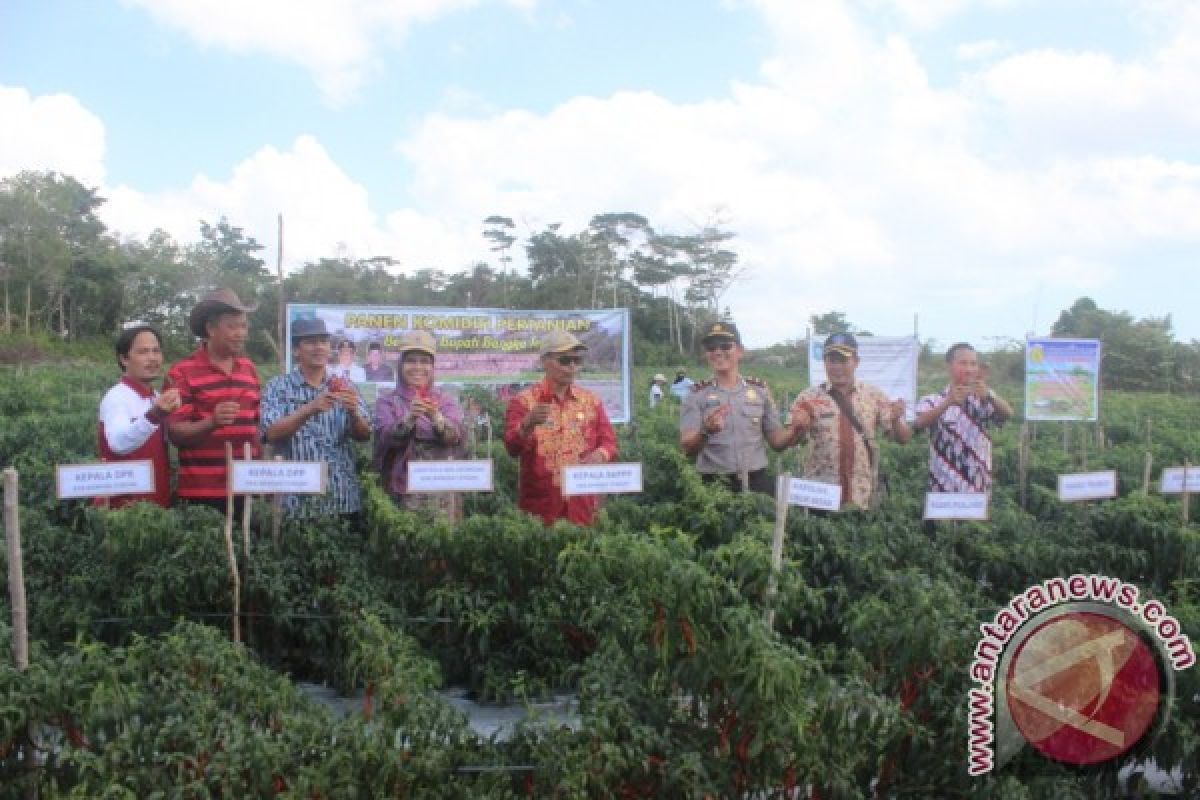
pixel 978 164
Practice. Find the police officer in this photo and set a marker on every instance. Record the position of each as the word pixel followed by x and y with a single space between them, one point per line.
pixel 728 420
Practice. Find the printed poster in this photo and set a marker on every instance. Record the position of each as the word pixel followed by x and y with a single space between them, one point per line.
pixel 1062 379
pixel 489 347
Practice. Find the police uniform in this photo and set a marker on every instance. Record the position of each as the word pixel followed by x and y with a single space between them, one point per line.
pixel 741 445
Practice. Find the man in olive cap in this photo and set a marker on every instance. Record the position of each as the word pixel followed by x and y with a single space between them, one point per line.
pixel 218 398
pixel 844 417
pixel 310 414
pixel 728 420
pixel 556 423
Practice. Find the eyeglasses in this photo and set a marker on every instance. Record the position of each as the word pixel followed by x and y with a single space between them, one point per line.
pixel 567 361
pixel 714 346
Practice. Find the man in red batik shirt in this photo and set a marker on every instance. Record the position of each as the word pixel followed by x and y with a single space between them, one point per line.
pixel 555 423
pixel 219 397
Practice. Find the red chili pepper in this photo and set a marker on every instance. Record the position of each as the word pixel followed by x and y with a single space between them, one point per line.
pixel 278 784
pixel 369 700
pixel 660 624
pixel 689 636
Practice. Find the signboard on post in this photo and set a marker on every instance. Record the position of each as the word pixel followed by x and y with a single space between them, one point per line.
pixel 1172 480
pixel 957 505
pixel 278 477
pixel 815 494
pixel 106 479
pixel 615 478
pixel 1062 379
pixel 889 362
pixel 1087 486
pixel 473 475
pixel 488 347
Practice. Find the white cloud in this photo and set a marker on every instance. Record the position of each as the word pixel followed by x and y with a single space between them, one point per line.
pixel 337 41
pixel 50 132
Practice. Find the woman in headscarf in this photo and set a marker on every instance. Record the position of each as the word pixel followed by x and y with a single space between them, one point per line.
pixel 417 422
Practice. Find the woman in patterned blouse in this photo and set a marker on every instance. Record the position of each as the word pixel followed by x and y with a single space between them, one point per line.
pixel 417 422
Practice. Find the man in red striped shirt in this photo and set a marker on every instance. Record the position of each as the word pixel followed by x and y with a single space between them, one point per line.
pixel 219 395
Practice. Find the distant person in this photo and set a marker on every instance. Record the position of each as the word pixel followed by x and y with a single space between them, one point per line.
pixel 728 421
pixel 309 414
pixel 681 387
pixel 958 419
pixel 129 424
pixel 418 422
pixel 556 423
pixel 844 417
pixel 376 370
pixel 656 389
pixel 345 366
pixel 218 399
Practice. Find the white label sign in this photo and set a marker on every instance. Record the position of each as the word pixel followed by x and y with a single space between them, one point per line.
pixel 1087 485
pixel 1171 481
pixel 815 494
pixel 450 476
pixel 617 478
pixel 278 477
pixel 108 479
pixel 957 505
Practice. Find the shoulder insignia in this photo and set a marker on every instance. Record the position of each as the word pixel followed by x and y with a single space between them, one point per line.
pixel 704 384
pixel 759 382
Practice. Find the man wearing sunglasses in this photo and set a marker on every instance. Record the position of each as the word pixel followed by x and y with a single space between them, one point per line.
pixel 842 417
pixel 728 420
pixel 556 423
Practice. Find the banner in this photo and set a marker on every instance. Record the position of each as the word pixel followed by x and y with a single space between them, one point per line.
pixel 490 347
pixel 1062 379
pixel 886 362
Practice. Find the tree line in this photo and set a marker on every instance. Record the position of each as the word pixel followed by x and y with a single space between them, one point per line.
pixel 64 272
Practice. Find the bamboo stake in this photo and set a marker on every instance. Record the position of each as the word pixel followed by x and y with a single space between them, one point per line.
pixel 782 484
pixel 1023 464
pixel 233 568
pixel 282 308
pixel 20 615
pixel 248 502
pixel 1187 496
pixel 1146 472
pixel 277 517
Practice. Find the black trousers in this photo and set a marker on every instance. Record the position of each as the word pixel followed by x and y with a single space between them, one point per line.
pixel 759 480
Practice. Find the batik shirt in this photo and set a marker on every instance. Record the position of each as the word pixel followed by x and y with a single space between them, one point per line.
pixel 577 426
pixel 960 448
pixel 839 454
pixel 324 436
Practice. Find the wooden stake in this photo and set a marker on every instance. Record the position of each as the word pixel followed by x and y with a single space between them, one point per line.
pixel 1146 472
pixel 280 323
pixel 20 615
pixel 233 568
pixel 16 571
pixel 782 484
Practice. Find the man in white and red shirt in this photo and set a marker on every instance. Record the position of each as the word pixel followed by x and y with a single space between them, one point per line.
pixel 129 427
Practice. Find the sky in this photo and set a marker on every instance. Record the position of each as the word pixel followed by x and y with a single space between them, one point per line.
pixel 967 168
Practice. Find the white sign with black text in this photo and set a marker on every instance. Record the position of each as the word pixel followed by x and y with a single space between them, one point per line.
pixel 107 479
pixel 616 478
pixel 1171 481
pixel 815 494
pixel 278 477
pixel 474 475
pixel 1087 486
pixel 957 505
